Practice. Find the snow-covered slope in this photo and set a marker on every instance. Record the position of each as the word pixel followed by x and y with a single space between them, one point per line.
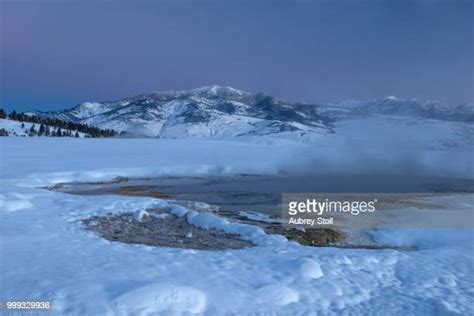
pixel 16 128
pixel 223 112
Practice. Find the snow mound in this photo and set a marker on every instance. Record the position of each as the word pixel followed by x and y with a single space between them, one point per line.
pixel 310 269
pixel 277 294
pixel 161 298
pixel 205 220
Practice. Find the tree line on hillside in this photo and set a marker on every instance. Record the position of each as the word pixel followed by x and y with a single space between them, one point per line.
pixel 63 128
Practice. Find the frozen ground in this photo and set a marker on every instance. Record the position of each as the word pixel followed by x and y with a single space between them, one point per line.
pixel 45 254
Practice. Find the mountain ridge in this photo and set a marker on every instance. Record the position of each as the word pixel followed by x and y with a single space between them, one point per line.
pixel 216 111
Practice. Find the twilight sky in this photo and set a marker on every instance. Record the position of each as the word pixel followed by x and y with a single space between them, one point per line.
pixel 55 54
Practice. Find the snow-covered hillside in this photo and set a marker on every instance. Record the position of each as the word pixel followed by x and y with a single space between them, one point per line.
pixel 16 128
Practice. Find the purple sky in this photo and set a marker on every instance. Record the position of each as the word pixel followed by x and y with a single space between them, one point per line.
pixel 55 54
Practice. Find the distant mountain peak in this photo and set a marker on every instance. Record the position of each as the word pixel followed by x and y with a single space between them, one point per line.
pixel 350 103
pixel 218 90
pixel 206 91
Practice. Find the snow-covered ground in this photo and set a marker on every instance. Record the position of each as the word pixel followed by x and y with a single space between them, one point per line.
pixel 45 254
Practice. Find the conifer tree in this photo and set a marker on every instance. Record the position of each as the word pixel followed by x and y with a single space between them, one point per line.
pixel 13 115
pixel 32 130
pixel 41 130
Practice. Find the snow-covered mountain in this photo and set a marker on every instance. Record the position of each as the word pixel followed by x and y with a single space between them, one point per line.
pixel 210 111
pixel 220 112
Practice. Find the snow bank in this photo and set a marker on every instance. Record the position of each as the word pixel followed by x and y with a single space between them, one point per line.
pixel 254 234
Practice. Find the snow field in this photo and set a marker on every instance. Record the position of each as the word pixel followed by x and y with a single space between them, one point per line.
pixel 47 255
